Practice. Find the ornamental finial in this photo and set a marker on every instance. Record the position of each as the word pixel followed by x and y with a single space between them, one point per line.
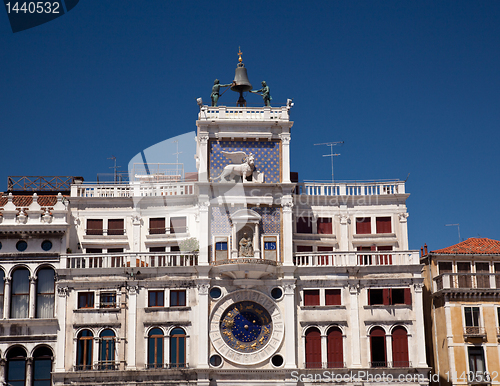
pixel 240 53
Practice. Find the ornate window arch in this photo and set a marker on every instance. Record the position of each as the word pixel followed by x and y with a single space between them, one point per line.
pixel 84 346
pixel 378 349
pixel 156 339
pixel 16 366
pixel 178 348
pixel 42 365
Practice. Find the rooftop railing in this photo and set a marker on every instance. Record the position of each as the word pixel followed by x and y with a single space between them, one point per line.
pixel 355 258
pixel 244 113
pixel 351 188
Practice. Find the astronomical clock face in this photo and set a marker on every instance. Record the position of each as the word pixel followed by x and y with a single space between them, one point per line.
pixel 246 327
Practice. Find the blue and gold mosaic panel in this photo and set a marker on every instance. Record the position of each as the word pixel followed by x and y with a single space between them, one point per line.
pixel 266 153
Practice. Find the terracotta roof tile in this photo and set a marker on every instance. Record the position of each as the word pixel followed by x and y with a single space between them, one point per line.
pixel 473 246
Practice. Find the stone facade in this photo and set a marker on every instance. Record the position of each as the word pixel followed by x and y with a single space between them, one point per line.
pixel 288 283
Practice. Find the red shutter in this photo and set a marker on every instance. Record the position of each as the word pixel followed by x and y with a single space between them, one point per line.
pixel 94 227
pixel 387 296
pixel 335 348
pixel 313 349
pixel 363 226
pixel 408 296
pixel 384 225
pixel 115 227
pixel 311 297
pixel 156 226
pixel 332 297
pixel 324 226
pixel 400 347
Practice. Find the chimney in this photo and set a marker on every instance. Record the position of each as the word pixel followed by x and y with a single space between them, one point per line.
pixel 425 249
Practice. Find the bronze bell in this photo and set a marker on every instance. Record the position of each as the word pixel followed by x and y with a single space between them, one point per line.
pixel 241 82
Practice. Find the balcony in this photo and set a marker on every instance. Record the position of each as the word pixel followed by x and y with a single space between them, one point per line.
pixel 471 332
pixel 355 258
pixel 133 189
pixel 467 281
pixel 351 188
pixel 123 260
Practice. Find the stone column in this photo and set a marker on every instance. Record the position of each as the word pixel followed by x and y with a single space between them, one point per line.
pixel 388 349
pixel 256 242
pixel 285 161
pixel 202 321
pixel 2 371
pixel 32 301
pixel 131 326
pixel 6 298
pixel 60 314
pixel 324 351
pixel 290 333
pixel 29 370
pixel 419 325
pixel 354 325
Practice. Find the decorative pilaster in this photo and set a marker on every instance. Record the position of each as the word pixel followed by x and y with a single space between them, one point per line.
pixel 2 371
pixel 203 157
pixel 60 314
pixel 32 297
pixel 287 204
pixel 419 325
pixel 136 233
pixel 202 344
pixel 203 227
pixel 354 323
pixel 131 326
pixel 449 334
pixel 290 325
pixel 344 233
pixel 403 226
pixel 285 151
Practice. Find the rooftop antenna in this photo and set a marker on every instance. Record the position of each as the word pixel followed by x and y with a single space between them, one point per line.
pixel 332 154
pixel 177 152
pixel 114 167
pixel 455 225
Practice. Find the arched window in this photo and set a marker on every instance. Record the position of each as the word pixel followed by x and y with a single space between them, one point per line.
pixel 2 285
pixel 84 350
pixel 16 367
pixel 155 348
pixel 400 347
pixel 335 348
pixel 45 293
pixel 107 350
pixel 20 294
pixel 377 347
pixel 42 366
pixel 178 348
pixel 313 349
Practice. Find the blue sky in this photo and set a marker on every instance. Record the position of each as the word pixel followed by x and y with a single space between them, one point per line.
pixel 409 86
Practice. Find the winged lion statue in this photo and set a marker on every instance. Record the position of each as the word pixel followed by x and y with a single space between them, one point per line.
pixel 241 168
